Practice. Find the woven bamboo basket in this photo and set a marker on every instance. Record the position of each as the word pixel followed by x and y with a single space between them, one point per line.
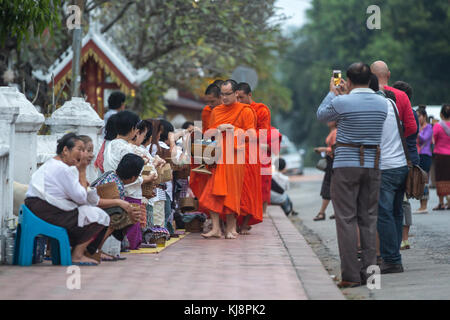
pixel 160 242
pixel 188 204
pixel 147 189
pixel 108 191
pixel 146 170
pixel 208 149
pixel 164 174
pixel 194 226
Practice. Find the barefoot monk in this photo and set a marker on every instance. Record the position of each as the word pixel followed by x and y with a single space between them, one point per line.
pixel 222 193
pixel 258 176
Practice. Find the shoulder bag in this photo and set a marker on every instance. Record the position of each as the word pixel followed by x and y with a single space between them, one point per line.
pixel 417 178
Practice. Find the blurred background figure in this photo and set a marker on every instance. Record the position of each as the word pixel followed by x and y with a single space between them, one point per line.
pixel 328 152
pixel 424 143
pixel 441 136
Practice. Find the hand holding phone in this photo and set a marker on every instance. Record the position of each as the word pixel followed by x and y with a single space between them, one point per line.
pixel 337 76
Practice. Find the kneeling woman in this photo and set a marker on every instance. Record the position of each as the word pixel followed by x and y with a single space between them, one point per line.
pixel 56 196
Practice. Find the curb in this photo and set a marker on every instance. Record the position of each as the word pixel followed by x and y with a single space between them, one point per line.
pixel 315 279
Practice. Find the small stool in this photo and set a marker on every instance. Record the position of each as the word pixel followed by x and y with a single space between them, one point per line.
pixel 31 226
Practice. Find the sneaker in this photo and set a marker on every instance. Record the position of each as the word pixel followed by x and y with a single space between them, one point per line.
pixel 421 211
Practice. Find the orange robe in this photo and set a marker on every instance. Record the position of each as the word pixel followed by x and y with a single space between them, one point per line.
pixel 251 200
pixel 263 122
pixel 197 181
pixel 222 192
pixel 206 114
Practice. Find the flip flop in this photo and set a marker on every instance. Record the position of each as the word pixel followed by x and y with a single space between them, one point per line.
pixel 440 207
pixel 81 263
pixel 320 216
pixel 110 257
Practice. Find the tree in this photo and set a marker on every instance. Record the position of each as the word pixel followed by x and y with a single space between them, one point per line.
pixel 18 21
pixel 183 41
pixel 413 40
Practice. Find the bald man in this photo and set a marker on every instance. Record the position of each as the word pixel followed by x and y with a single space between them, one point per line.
pixel 381 70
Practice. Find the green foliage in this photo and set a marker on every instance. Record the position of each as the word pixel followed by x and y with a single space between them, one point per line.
pixel 19 16
pixel 413 41
pixel 183 40
pixel 149 97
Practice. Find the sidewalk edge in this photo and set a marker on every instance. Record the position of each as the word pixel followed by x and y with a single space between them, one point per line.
pixel 315 279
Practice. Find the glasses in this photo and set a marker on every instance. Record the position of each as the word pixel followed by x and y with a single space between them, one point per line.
pixel 226 93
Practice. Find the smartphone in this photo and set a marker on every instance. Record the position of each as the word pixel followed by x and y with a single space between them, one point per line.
pixel 337 75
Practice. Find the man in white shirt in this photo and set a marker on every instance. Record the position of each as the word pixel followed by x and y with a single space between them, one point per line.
pixel 394 171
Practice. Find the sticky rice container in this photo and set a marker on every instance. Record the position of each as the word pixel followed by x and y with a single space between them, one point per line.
pixel 108 191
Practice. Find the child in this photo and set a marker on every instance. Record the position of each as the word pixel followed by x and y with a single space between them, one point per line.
pixel 280 184
pixel 127 173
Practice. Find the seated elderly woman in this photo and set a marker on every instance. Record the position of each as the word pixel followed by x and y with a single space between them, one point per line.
pixel 120 211
pixel 56 196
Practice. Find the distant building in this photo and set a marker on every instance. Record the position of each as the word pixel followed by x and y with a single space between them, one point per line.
pixel 103 70
pixel 182 106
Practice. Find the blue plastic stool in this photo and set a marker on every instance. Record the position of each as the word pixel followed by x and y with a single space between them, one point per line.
pixel 31 226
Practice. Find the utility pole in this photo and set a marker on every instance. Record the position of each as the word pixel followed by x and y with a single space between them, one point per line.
pixel 76 48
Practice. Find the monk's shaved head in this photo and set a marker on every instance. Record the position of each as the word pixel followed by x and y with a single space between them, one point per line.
pixel 381 70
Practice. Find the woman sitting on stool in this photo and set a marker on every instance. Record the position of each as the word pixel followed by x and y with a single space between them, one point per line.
pixel 56 196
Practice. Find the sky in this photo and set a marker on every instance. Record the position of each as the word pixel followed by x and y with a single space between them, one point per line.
pixel 294 10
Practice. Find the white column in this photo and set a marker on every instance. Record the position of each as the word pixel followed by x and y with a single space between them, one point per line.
pixel 27 125
pixel 79 117
pixel 8 116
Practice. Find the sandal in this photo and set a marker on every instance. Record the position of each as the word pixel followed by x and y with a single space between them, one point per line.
pixel 96 256
pixel 84 263
pixel 109 257
pixel 440 207
pixel 320 216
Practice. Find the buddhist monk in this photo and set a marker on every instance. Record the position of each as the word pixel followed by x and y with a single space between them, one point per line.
pixel 263 129
pixel 213 99
pixel 222 193
pixel 198 179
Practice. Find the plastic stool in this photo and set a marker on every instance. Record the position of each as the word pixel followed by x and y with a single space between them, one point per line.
pixel 31 226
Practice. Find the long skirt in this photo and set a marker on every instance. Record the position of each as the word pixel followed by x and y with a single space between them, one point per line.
pixel 325 190
pixel 67 220
pixel 134 233
pixel 442 169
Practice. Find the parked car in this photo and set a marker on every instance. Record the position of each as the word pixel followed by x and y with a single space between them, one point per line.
pixel 292 156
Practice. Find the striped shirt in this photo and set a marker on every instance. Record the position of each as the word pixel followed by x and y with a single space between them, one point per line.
pixel 360 117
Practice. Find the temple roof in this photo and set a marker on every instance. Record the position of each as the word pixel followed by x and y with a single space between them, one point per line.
pixel 106 54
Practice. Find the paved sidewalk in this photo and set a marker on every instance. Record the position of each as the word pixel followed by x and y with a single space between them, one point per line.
pixel 275 262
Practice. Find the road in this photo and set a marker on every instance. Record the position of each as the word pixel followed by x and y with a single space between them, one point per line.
pixel 426 264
